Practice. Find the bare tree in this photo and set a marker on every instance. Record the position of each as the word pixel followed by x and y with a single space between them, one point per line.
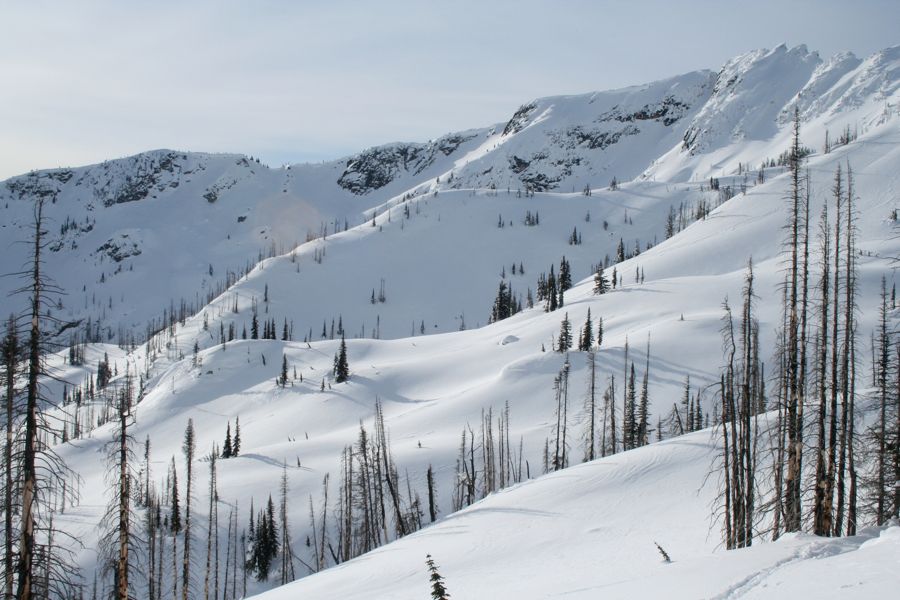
pixel 119 542
pixel 43 567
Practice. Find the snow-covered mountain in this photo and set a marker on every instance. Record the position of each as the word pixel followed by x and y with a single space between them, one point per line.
pixel 189 224
pixel 440 224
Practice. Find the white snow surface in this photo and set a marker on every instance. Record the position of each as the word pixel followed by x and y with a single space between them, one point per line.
pixel 590 531
pixel 586 531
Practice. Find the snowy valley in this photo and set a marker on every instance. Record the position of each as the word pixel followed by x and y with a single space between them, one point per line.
pixel 430 262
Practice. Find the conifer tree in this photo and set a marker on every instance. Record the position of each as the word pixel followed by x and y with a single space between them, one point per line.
pixel 551 292
pixel 565 275
pixel 227 450
pixel 586 340
pixel 236 449
pixel 341 366
pixel 643 408
pixel 629 425
pixel 565 335
pixel 438 591
pixel 599 331
pixel 601 284
pixel 174 502
pixel 503 303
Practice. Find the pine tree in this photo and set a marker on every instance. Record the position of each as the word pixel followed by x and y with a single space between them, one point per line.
pixel 643 436
pixel 174 502
pixel 565 335
pixel 503 303
pixel 551 292
pixel 599 331
pixel 586 339
pixel 341 366
pixel 687 407
pixel 643 414
pixel 236 449
pixel 601 284
pixel 438 591
pixel 629 426
pixel 272 544
pixel 227 450
pixel 565 275
pixel 254 327
pixel 282 379
pixel 670 222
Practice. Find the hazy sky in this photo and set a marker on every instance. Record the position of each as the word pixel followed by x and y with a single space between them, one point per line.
pixel 84 81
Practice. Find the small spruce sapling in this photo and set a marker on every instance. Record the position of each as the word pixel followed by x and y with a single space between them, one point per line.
pixel 438 590
pixel 665 554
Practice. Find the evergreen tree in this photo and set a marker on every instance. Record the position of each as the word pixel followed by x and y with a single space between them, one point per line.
pixel 282 379
pixel 341 366
pixel 550 292
pixel 686 406
pixel 565 335
pixel 601 284
pixel 504 304
pixel 629 426
pixel 174 502
pixel 644 412
pixel 236 448
pixel 271 545
pixel 254 327
pixel 565 275
pixel 227 450
pixel 670 222
pixel 599 331
pixel 587 334
pixel 438 591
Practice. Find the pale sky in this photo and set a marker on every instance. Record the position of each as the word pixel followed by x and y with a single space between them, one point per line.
pixel 85 81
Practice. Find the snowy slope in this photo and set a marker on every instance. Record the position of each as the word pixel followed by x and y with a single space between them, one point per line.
pixel 443 262
pixel 590 531
pixel 746 119
pixel 190 223
pixel 432 386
